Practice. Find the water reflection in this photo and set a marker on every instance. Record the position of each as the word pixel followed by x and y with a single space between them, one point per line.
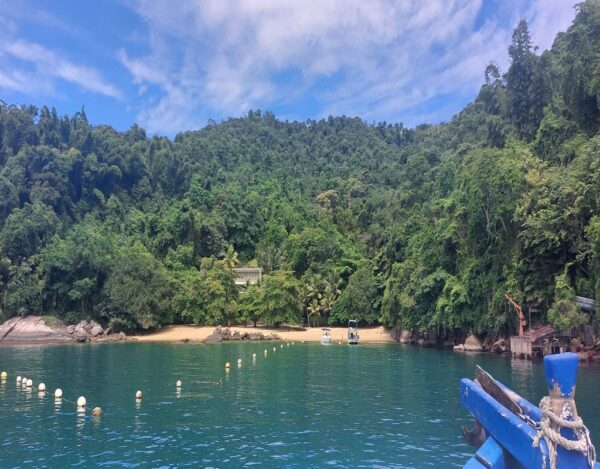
pixel 361 406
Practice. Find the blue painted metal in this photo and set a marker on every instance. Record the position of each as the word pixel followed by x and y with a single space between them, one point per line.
pixel 561 373
pixel 509 442
pixel 493 456
pixel 515 436
pixel 561 369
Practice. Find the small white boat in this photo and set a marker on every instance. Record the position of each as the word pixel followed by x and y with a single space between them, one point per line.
pixel 353 336
pixel 326 336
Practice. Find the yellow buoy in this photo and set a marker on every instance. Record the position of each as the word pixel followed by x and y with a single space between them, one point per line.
pixel 3 375
pixel 138 394
pixel 97 411
pixel 227 364
pixel 58 393
pixel 81 402
pixel 42 387
pixel 178 383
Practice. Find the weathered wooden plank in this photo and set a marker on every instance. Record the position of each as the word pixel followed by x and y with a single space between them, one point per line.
pixel 490 385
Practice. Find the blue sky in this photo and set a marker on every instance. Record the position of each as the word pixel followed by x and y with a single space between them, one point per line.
pixel 172 65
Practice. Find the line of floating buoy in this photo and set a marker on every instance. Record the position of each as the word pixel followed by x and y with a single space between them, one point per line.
pixel 81 402
pixel 27 383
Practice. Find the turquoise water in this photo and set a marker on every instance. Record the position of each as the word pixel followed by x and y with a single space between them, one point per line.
pixel 304 406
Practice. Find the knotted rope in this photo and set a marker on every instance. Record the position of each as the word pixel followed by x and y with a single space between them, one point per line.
pixel 549 430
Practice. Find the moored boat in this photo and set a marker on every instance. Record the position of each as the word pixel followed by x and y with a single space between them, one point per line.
pixel 325 336
pixel 510 431
pixel 353 336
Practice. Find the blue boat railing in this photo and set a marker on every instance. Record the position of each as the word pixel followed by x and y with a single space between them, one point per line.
pixel 507 424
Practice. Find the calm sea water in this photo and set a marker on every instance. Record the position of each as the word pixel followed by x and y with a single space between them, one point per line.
pixel 304 406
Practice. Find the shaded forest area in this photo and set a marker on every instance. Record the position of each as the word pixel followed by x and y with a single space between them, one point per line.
pixel 423 228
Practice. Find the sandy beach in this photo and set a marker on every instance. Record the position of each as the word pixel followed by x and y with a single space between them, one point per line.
pixel 371 335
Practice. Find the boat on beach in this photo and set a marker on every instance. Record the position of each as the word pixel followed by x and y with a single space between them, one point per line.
pixel 510 431
pixel 325 336
pixel 353 336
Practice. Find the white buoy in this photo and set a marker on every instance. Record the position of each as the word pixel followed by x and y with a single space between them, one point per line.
pixel 227 364
pixel 81 402
pixel 178 383
pixel 288 344
pixel 42 387
pixel 274 349
pixel 3 375
pixel 239 361
pixel 18 379
pixel 29 383
pixel 281 346
pixel 138 394
pixel 253 356
pixel 266 353
pixel 58 394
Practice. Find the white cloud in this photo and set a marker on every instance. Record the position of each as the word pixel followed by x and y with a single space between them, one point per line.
pixel 547 17
pixel 48 65
pixel 378 59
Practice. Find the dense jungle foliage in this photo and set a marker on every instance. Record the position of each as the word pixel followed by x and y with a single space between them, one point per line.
pixel 424 228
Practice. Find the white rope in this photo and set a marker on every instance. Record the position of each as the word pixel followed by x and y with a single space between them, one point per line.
pixel 549 430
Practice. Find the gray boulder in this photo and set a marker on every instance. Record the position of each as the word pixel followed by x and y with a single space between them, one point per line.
pixel 214 338
pixel 405 336
pixel 473 344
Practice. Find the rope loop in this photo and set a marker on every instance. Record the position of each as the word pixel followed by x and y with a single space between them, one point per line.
pixel 549 430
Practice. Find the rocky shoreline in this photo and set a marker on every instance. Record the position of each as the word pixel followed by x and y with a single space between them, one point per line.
pixel 222 334
pixel 475 344
pixel 33 329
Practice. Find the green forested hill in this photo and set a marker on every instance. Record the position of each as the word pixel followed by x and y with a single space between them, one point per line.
pixel 425 228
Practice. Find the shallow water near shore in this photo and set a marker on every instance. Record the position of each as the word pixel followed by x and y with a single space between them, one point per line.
pixel 304 405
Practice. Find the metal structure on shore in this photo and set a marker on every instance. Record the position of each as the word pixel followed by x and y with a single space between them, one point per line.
pixel 511 432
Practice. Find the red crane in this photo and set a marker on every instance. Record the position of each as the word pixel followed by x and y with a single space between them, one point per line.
pixel 522 321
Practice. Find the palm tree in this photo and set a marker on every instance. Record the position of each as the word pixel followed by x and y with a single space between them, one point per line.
pixel 231 258
pixel 313 309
